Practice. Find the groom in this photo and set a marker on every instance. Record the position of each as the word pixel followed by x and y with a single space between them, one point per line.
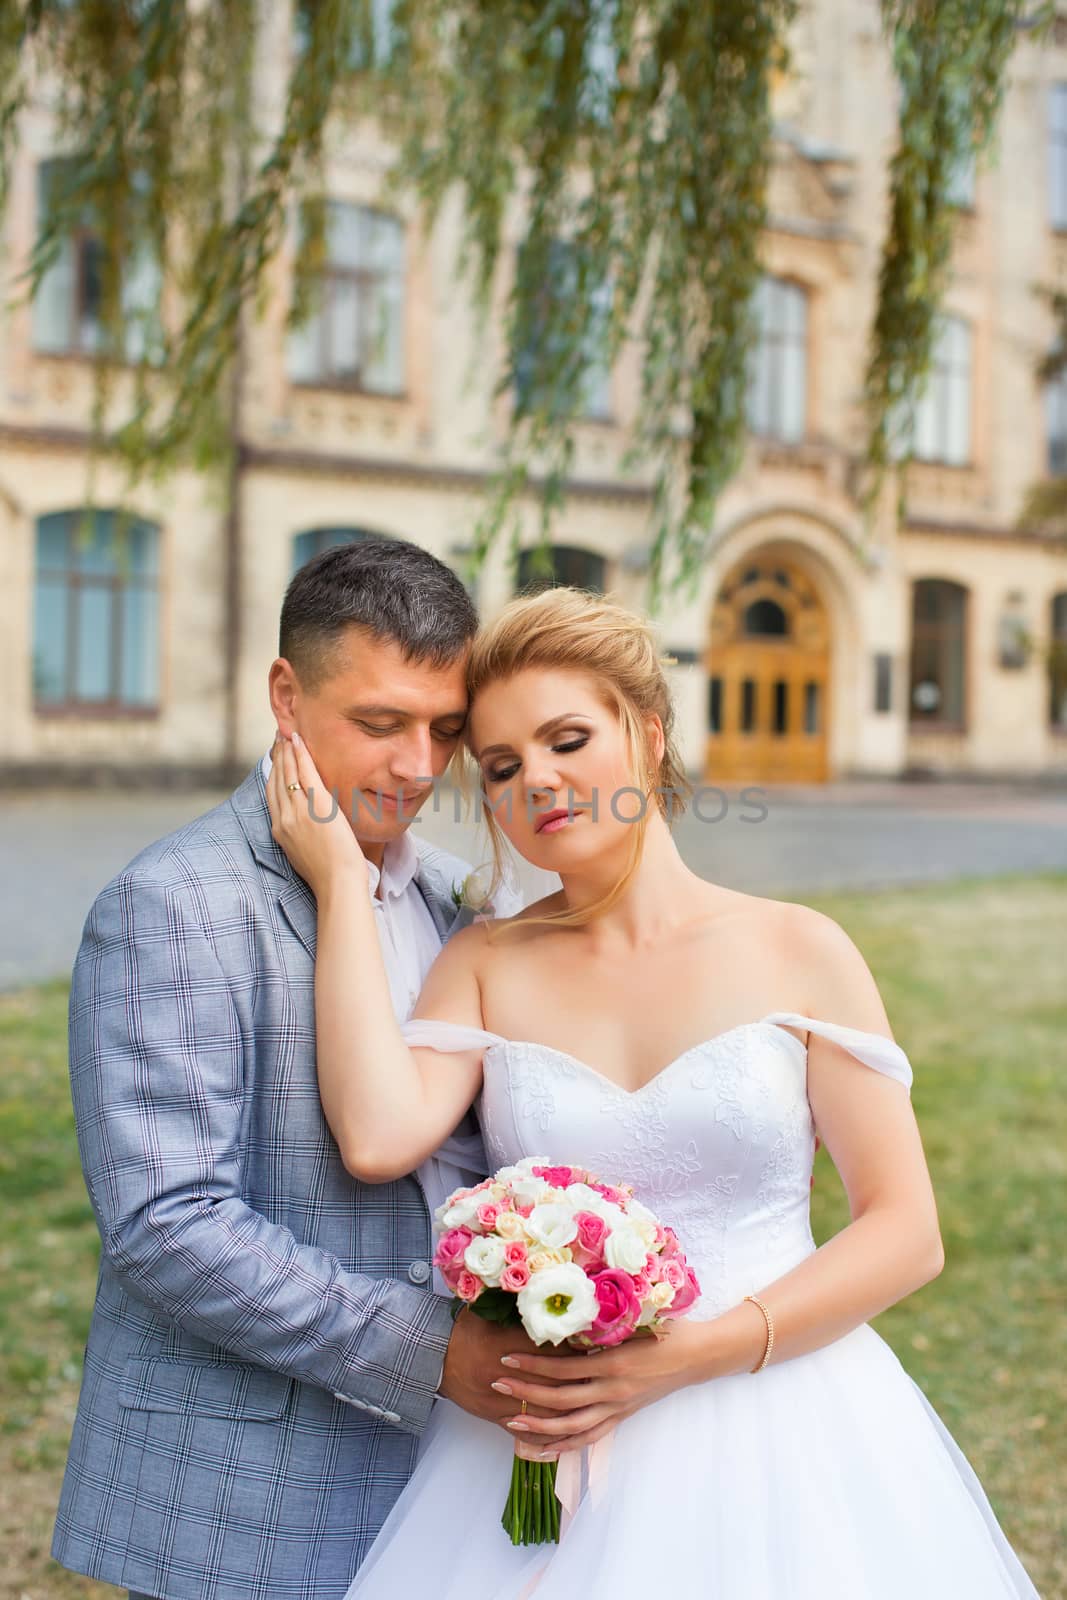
pixel 265 1347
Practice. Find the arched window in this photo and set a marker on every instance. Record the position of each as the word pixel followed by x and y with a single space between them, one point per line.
pixel 582 569
pixel 313 541
pixel 778 370
pixel 938 653
pixel 765 618
pixel 1057 666
pixel 96 613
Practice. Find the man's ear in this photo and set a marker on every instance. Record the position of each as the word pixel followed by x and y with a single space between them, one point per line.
pixel 282 687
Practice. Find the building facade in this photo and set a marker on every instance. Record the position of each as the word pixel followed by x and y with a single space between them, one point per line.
pixel 818 646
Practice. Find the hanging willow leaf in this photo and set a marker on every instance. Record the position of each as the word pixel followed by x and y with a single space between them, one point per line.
pixel 951 59
pixel 633 139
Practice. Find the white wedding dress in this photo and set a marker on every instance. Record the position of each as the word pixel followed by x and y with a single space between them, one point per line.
pixel 822 1477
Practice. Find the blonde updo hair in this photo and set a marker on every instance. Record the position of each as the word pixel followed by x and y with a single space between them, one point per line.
pixel 566 628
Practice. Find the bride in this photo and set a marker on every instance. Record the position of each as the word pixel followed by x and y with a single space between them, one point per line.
pixel 674 1034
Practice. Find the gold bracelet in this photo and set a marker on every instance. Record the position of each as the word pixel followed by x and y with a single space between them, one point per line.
pixel 770 1332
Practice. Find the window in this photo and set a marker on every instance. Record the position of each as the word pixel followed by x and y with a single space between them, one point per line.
pixel 381 17
pixel 538 353
pixel 883 683
pixel 313 541
pixel 96 613
pixel 355 336
pixel 938 653
pixel 765 618
pixel 715 705
pixel 943 414
pixel 1057 155
pixel 1056 423
pixel 67 308
pixel 961 183
pixel 778 369
pixel 1057 660
pixel 582 569
pixel 597 96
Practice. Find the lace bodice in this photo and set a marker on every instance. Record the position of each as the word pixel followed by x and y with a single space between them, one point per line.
pixel 719 1143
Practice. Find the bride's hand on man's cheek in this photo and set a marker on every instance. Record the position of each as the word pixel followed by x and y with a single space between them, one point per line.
pixel 320 845
pixel 580 1398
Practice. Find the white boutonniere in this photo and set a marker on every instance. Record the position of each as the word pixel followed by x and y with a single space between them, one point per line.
pixel 474 893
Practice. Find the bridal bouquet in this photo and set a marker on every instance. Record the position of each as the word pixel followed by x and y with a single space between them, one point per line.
pixel 571 1259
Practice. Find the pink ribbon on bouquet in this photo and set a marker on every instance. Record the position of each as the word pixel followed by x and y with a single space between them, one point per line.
pixel 569 1476
pixel 569 1489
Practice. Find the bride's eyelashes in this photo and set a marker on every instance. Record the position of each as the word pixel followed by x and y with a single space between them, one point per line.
pixel 559 749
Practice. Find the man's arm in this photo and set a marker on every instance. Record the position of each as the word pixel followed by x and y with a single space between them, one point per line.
pixel 157 1077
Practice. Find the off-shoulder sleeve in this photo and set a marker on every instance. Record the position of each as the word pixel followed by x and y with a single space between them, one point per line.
pixel 428 1033
pixel 873 1049
pixel 460 1162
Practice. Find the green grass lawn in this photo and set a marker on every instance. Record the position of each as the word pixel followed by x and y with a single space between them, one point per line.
pixel 973 977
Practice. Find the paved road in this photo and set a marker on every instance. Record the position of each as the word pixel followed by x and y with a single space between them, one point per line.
pixel 58 849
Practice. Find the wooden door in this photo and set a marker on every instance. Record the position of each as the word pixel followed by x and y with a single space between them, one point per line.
pixel 768 666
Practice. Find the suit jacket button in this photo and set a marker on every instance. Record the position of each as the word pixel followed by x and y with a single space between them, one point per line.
pixel 419 1271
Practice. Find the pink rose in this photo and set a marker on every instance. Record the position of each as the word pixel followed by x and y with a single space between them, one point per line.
pixel 515 1276
pixel 449 1253
pixel 588 1248
pixel 524 1211
pixel 515 1253
pixel 558 1177
pixel 672 1271
pixel 671 1245
pixel 618 1307
pixel 642 1284
pixel 616 1196
pixel 468 1287
pixel 487 1215
pixel 686 1296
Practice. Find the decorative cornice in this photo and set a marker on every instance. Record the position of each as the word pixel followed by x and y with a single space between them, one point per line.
pixel 979 530
pixel 320 463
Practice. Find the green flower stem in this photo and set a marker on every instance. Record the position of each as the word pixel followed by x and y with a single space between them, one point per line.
pixel 531 1512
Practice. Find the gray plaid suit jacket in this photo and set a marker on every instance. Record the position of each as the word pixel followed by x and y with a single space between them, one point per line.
pixel 265 1345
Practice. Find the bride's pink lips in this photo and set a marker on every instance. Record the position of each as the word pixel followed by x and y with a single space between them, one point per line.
pixel 553 821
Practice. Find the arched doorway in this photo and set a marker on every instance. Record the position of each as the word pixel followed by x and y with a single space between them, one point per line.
pixel 768 665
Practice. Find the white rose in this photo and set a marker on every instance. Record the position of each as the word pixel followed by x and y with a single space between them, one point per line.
pixel 461 1213
pixel 521 1169
pixel 641 1218
pixel 662 1296
pixel 509 1225
pixel 541 1258
pixel 477 887
pixel 485 1258
pixel 556 1303
pixel 552 1225
pixel 625 1249
pixel 529 1191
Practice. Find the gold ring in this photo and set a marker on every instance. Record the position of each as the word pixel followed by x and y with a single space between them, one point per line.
pixel 292 786
pixel 522 1407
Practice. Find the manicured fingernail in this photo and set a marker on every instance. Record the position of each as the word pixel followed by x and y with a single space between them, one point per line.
pixel 519 1426
pixel 296 737
pixel 508 1361
pixel 502 1388
pixel 547 1455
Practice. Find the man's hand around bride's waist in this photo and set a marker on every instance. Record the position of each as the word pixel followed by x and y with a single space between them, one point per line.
pixel 320 846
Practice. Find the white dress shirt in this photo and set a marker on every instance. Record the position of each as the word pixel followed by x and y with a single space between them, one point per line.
pixel 406 933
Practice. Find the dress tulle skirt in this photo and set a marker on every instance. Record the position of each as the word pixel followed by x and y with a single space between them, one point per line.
pixel 824 1477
